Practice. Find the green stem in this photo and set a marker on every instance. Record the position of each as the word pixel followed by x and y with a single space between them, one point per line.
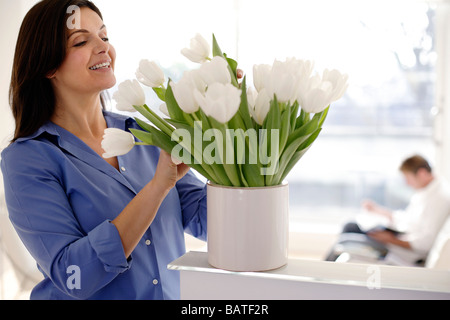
pixel 159 122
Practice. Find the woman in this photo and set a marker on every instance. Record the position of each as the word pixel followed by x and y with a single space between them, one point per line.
pixel 98 229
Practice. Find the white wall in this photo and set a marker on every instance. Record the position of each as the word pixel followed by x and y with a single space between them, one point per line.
pixel 9 25
pixel 11 15
pixel 442 121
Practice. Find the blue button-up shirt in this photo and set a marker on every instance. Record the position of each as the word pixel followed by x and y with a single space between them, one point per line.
pixel 62 196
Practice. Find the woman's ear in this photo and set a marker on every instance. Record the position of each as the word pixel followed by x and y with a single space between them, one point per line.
pixel 50 75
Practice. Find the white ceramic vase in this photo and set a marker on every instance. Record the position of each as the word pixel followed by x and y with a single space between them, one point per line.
pixel 248 228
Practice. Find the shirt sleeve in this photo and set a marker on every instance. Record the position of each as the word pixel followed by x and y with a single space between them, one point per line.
pixel 40 211
pixel 424 231
pixel 192 193
pixel 399 220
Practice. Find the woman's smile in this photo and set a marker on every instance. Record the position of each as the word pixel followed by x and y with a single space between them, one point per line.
pixel 102 66
pixel 88 67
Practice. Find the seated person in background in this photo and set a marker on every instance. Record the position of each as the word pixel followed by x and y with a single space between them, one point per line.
pixel 410 233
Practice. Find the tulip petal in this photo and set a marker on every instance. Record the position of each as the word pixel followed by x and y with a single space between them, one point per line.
pixel 199 50
pixel 117 142
pixel 129 94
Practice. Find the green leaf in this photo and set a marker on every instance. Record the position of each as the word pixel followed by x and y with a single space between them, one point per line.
pixel 323 116
pixel 242 177
pixel 310 140
pixel 294 112
pixel 286 157
pixel 155 119
pixel 216 49
pixel 161 93
pixel 232 63
pixel 194 148
pixel 272 122
pixel 165 143
pixel 220 174
pixel 205 120
pixel 253 176
pixel 143 136
pixel 285 128
pixel 178 123
pixel 302 119
pixel 306 129
pixel 174 109
pixel 243 108
pixel 292 162
pixel 144 125
pixel 274 116
pixel 304 147
pixel 198 149
pixel 231 169
pixel 299 140
pixel 218 167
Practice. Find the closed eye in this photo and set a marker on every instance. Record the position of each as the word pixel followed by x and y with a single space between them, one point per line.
pixel 80 44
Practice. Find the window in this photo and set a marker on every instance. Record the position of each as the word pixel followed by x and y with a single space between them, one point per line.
pixel 386 47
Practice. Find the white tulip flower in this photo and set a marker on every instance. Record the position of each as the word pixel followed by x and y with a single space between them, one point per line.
pixel 338 82
pixel 220 101
pixel 282 81
pixel 303 70
pixel 319 92
pixel 258 104
pixel 199 50
pixel 183 91
pixel 150 74
pixel 130 94
pixel 316 96
pixel 252 94
pixel 215 71
pixel 117 142
pixel 316 100
pixel 260 73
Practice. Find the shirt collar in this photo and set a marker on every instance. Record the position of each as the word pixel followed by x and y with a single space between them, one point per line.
pixel 432 185
pixel 48 127
pixel 113 120
pixel 73 145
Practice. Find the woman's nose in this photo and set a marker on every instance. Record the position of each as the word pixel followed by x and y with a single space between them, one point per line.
pixel 102 46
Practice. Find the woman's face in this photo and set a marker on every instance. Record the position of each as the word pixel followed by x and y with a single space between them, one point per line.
pixel 88 67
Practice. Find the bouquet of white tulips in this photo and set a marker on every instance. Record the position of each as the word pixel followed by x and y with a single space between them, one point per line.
pixel 232 134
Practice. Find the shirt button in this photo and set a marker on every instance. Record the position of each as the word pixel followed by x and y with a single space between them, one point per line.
pixel 148 242
pixel 123 169
pixel 155 282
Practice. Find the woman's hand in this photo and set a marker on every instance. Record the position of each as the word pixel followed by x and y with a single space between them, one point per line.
pixel 240 74
pixel 135 219
pixel 168 173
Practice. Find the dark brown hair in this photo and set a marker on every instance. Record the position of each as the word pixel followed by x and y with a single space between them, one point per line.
pixel 40 50
pixel 414 163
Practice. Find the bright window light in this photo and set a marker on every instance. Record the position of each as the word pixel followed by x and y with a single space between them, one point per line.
pixel 386 47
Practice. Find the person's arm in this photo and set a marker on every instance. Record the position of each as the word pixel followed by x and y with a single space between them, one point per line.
pixel 388 237
pixel 193 200
pixel 375 208
pixel 422 233
pixel 42 214
pixel 137 217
